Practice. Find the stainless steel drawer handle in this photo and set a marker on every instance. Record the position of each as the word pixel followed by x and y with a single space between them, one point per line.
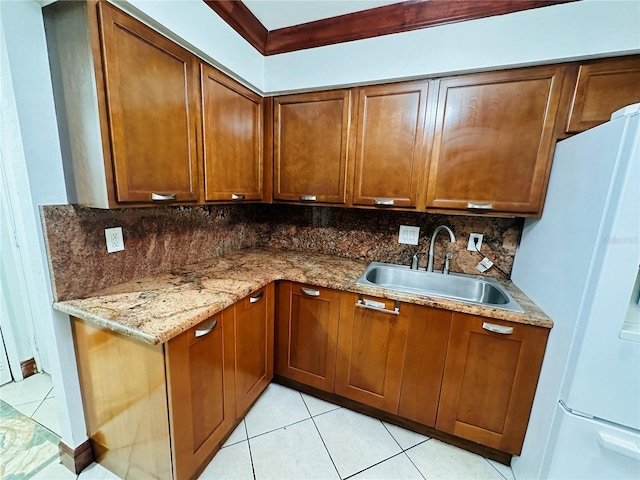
pixel 480 206
pixel 307 198
pixel 492 327
pixel 384 202
pixel 162 197
pixel 310 291
pixel 201 332
pixel 237 196
pixel 379 306
pixel 256 298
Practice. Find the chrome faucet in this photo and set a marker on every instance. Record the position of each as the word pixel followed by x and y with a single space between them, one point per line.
pixel 452 237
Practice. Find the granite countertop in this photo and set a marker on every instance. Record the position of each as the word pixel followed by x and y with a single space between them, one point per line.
pixel 159 307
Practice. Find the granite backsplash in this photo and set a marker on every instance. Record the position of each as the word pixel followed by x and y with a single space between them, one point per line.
pixel 162 238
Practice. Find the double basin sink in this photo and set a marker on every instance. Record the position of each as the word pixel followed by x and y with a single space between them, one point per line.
pixel 464 288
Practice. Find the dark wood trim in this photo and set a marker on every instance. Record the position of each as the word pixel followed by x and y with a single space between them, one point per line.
pixel 28 367
pixel 492 453
pixel 240 18
pixel 76 459
pixel 395 18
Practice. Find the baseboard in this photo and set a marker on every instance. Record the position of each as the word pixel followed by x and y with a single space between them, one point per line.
pixel 76 459
pixel 28 367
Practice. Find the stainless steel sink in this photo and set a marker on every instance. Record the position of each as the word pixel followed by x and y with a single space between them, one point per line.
pixel 465 288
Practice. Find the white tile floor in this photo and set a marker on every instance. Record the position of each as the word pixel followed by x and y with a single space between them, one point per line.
pixel 290 435
pixel 34 397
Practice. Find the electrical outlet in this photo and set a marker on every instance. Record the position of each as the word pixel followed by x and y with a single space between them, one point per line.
pixel 409 235
pixel 471 247
pixel 115 243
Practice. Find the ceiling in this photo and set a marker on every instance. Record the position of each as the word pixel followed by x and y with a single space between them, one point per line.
pixel 275 14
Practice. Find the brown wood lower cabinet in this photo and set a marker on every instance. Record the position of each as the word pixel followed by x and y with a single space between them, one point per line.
pixel 253 347
pixel 200 374
pixel 162 411
pixel 424 364
pixel 307 334
pixel 490 378
pixel 371 344
pixel 468 376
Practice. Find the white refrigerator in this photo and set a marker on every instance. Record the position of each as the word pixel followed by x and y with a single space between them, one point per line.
pixel 580 263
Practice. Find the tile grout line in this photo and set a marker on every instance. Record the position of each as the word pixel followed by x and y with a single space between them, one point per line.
pixel 404 451
pixel 375 464
pixel 253 470
pixel 275 429
pixel 320 435
pixel 493 466
pixel 40 404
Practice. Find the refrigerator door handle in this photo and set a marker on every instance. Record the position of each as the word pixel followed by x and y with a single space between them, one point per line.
pixel 619 445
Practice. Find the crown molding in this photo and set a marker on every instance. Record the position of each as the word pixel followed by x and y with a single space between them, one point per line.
pixel 395 18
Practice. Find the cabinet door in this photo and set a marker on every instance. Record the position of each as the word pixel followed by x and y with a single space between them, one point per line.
pixel 424 364
pixel 152 86
pixel 253 347
pixel 494 140
pixel 389 146
pixel 201 391
pixel 371 344
pixel 490 378
pixel 311 137
pixel 307 334
pixel 232 138
pixel 603 87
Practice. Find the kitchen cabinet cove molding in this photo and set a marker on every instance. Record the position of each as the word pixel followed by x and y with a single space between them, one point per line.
pixel 395 18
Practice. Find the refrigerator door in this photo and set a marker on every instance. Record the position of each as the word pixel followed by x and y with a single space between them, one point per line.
pixel 588 449
pixel 603 373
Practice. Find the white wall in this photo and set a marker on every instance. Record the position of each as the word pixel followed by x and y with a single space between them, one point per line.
pixel 545 35
pixel 33 165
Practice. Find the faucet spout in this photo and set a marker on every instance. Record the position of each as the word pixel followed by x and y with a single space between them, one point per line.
pixel 452 238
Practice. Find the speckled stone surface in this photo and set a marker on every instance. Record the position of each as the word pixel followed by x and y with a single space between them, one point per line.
pixel 163 238
pixel 159 307
pixel 372 235
pixel 155 239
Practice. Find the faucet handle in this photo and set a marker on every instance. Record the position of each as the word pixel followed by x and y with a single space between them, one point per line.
pixel 414 260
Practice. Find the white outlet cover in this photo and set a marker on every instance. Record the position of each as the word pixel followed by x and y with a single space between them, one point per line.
pixel 115 242
pixel 409 235
pixel 471 247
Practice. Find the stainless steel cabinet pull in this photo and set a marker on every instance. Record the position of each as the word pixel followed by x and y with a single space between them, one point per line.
pixel 492 327
pixel 201 332
pixel 308 198
pixel 310 291
pixel 163 197
pixel 256 298
pixel 480 206
pixel 384 202
pixel 237 196
pixel 379 306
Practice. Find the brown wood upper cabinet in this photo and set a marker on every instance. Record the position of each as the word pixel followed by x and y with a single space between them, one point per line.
pixel 151 89
pixel 371 345
pixel 490 378
pixel 232 137
pixel 307 334
pixel 603 87
pixel 311 146
pixel 127 101
pixel 494 141
pixel 389 152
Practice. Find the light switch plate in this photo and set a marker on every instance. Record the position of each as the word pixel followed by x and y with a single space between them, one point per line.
pixel 409 235
pixel 115 242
